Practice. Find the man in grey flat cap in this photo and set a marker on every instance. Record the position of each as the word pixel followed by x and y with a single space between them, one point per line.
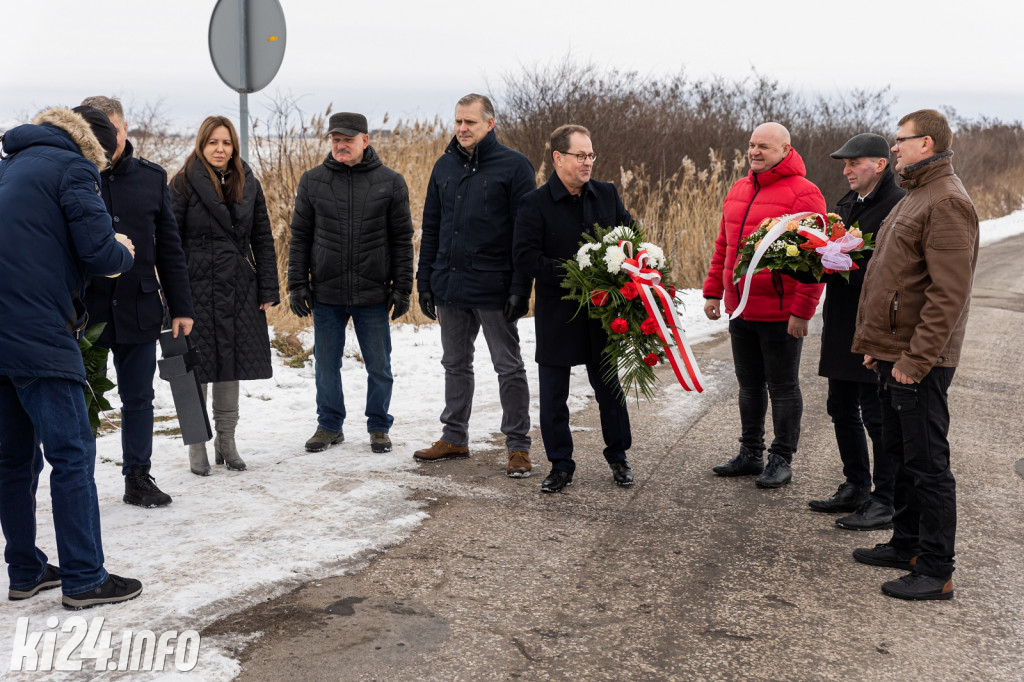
pixel 852 393
pixel 350 257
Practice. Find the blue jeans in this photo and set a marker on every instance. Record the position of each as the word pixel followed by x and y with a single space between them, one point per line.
pixel 915 419
pixel 767 361
pixel 50 411
pixel 135 364
pixel 373 331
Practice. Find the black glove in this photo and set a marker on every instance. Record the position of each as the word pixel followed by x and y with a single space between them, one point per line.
pixel 301 301
pixel 516 306
pixel 427 305
pixel 399 300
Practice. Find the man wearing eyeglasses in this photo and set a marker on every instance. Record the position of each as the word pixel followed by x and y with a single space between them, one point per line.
pixel 549 227
pixel 467 282
pixel 911 322
pixel 768 337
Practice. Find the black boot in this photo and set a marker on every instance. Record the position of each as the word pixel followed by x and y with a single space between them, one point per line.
pixel 747 463
pixel 847 498
pixel 140 489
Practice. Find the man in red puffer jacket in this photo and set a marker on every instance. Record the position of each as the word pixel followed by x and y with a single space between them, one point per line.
pixel 768 336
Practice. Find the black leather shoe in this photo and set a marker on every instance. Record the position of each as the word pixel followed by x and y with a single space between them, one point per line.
pixel 917 586
pixel 555 481
pixel 884 554
pixel 621 472
pixel 777 474
pixel 872 515
pixel 743 464
pixel 847 498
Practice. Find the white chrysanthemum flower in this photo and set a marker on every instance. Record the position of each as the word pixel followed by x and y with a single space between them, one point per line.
pixel 618 234
pixel 613 258
pixel 583 259
pixel 655 256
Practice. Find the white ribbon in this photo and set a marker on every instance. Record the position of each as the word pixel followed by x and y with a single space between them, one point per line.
pixel 767 241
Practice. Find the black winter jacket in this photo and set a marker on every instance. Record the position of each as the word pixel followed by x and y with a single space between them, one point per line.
pixel 232 269
pixel 469 215
pixel 135 192
pixel 549 229
pixel 839 314
pixel 351 233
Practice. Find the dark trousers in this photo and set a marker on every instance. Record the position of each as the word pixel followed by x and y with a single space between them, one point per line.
pixel 767 362
pixel 915 422
pixel 554 415
pixel 135 364
pixel 854 407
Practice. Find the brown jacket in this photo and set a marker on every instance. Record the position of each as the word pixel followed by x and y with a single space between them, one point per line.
pixel 916 295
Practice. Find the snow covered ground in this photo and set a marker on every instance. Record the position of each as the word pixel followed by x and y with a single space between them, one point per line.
pixel 236 538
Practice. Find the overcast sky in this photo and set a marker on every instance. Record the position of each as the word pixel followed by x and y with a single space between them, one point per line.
pixel 413 58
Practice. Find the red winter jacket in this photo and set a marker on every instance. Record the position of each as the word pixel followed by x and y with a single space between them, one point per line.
pixel 773 193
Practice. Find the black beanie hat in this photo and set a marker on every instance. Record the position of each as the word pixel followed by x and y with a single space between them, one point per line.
pixel 102 128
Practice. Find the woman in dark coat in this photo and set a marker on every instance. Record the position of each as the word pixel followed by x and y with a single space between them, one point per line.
pixel 232 268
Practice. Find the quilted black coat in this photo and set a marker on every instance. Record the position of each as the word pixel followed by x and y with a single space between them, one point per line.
pixel 351 233
pixel 232 269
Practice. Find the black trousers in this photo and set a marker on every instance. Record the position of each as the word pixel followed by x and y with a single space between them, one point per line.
pixel 915 422
pixel 554 415
pixel 854 407
pixel 767 363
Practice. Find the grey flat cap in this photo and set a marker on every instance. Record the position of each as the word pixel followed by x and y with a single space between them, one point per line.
pixel 346 123
pixel 865 144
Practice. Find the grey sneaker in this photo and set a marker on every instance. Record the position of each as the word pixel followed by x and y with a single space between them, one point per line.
pixel 379 441
pixel 323 439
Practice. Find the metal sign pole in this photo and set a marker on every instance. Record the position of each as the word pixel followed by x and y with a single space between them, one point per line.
pixel 243 74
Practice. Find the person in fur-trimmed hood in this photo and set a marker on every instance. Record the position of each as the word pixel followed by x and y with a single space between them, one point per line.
pixel 56 232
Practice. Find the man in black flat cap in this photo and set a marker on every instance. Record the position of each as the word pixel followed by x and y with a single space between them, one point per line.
pixel 852 393
pixel 351 258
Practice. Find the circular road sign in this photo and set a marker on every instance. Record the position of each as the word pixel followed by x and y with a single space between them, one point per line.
pixel 247 39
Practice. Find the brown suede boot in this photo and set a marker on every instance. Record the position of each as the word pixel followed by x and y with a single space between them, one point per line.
pixel 518 464
pixel 442 450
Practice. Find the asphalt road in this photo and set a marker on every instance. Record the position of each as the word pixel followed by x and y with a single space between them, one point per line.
pixel 684 576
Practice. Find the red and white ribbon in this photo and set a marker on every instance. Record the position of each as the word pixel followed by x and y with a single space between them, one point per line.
pixel 656 300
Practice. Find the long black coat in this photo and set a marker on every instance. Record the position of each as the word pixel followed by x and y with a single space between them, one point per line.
pixel 839 314
pixel 230 329
pixel 135 192
pixel 351 233
pixel 549 228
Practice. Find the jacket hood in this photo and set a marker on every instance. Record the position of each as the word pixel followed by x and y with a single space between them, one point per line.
pixel 77 128
pixel 791 164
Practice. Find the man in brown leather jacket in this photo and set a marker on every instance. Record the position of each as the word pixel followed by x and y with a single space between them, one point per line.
pixel 910 326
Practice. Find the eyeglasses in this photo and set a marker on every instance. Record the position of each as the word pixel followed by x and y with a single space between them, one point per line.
pixel 580 156
pixel 900 140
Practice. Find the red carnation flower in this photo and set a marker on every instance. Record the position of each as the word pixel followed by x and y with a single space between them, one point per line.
pixel 599 297
pixel 630 291
pixel 619 325
pixel 651 359
pixel 649 326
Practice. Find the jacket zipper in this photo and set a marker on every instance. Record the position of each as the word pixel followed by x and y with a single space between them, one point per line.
pixel 351 237
pixel 485 197
pixel 894 308
pixel 739 237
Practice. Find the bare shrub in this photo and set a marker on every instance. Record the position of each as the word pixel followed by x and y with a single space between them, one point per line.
pixel 150 131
